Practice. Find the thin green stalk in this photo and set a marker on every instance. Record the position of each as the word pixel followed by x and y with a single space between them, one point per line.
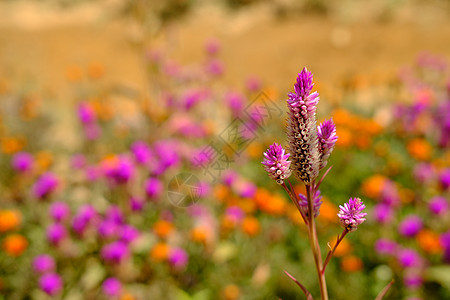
pixel 315 245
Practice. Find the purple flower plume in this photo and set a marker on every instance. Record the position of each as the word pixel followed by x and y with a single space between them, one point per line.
pixel 317 202
pixel 276 163
pixel 326 132
pixel 351 215
pixel 302 129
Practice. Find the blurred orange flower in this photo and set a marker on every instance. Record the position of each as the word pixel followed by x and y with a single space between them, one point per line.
pixel 255 150
pixel 328 211
pixel 344 247
pixel 250 225
pixel 231 292
pixel 160 252
pixel 74 73
pixel 9 219
pixel 127 296
pixel 373 185
pixel 95 70
pixel 419 148
pixel 351 263
pixel 163 228
pixel 345 137
pixel 221 192
pixel 44 160
pixel 199 234
pixel 15 244
pixel 429 241
pixel 12 145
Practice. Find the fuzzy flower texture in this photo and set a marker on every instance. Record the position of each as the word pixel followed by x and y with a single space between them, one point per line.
pixel 309 145
pixel 351 215
pixel 276 163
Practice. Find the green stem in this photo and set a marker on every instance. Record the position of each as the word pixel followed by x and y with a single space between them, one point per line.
pixel 315 244
pixel 331 252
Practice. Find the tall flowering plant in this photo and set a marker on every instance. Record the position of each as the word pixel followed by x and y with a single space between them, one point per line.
pixel 310 146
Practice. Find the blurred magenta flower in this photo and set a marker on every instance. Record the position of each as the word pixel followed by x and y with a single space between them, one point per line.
pixel 44 263
pixel 382 213
pixel 215 67
pixel 136 203
pixel 56 232
pixel 409 258
pixel 438 205
pixel 412 279
pixel 51 283
pixel 276 163
pixel 142 152
pixel 178 258
pixel 351 215
pixel 410 226
pixel 234 213
pixel 78 161
pixel 59 211
pixel 445 241
pixel 128 233
pixel 112 287
pixel 235 102
pixel 119 169
pixel 22 162
pixel 385 246
pixel 86 113
pixel 212 46
pixel 84 217
pixel 114 214
pixel 245 189
pixel 229 177
pixel 253 84
pixel 444 179
pixel 153 188
pixel 115 252
pixel 45 185
pixel 317 202
pixel 108 229
pixel 424 172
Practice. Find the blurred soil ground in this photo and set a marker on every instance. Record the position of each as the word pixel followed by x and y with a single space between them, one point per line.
pixel 40 43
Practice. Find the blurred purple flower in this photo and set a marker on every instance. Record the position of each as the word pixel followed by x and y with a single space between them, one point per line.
pixel 45 185
pixel 59 211
pixel 245 189
pixel 389 193
pixel 235 102
pixel 438 205
pixel 128 233
pixel 92 131
pixel 51 283
pixel 112 287
pixel 412 280
pixel 166 150
pixel 444 178
pixel 445 241
pixel 120 170
pixel 385 246
pixel 153 188
pixel 424 172
pixel 44 263
pixel 235 213
pixel 212 46
pixel 382 213
pixel 114 214
pixel 84 217
pixel 142 152
pixel 351 215
pixel 115 252
pixel 86 113
pixel 229 177
pixel 56 232
pixel 317 202
pixel 409 258
pixel 178 258
pixel 253 84
pixel 22 162
pixel 78 161
pixel 108 229
pixel 410 226
pixel 136 204
pixel 215 67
